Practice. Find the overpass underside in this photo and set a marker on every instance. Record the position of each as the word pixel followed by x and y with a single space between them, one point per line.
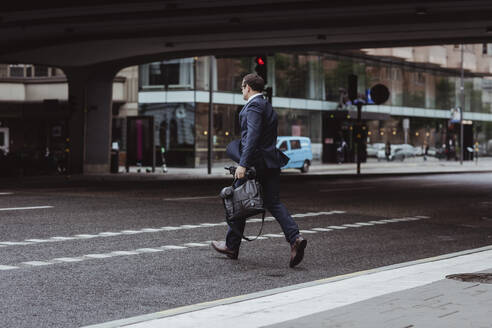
pixel 91 41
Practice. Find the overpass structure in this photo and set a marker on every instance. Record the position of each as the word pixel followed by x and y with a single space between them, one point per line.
pixel 91 41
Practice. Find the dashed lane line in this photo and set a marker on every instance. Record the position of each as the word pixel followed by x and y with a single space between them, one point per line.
pixel 6 193
pixel 346 189
pixel 139 251
pixel 25 208
pixel 190 198
pixel 148 230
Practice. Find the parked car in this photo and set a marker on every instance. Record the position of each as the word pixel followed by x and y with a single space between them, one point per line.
pixel 299 151
pixel 398 152
pixel 372 149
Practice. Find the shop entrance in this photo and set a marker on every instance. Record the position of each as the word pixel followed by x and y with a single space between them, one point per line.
pixel 140 141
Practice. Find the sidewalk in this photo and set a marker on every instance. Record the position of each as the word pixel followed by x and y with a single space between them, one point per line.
pixel 412 294
pixel 371 167
pixel 412 166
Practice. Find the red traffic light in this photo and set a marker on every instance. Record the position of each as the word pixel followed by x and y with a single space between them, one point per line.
pixel 260 61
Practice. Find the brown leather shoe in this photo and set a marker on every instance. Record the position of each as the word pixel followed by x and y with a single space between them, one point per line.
pixel 297 251
pixel 221 247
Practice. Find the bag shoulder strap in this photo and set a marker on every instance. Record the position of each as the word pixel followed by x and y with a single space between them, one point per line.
pixel 236 231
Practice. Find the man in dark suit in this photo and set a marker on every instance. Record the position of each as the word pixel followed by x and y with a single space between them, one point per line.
pixel 257 148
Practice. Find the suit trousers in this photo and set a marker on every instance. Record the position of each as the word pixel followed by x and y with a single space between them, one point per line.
pixel 269 180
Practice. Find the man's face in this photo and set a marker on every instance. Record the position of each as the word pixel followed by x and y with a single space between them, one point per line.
pixel 245 90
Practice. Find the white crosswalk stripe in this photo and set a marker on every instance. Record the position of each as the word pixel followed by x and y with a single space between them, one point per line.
pixel 107 234
pixel 160 249
pixel 273 235
pixel 148 250
pixel 36 263
pixel 25 208
pixel 172 247
pixel 322 229
pixel 352 225
pixel 195 244
pixel 67 259
pixel 8 267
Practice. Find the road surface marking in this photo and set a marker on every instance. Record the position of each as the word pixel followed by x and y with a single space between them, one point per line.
pixel 173 247
pixel 97 256
pixel 191 198
pixel 255 237
pixel 195 244
pixel 148 250
pixel 352 225
pixel 159 249
pixel 37 263
pixel 14 243
pixel 109 234
pixel 151 230
pixel 337 227
pixel 273 235
pixel 122 253
pixel 347 189
pixel 322 229
pixel 8 267
pixel 25 208
pixel 67 259
pixel 189 226
pixel 6 193
pixel 62 238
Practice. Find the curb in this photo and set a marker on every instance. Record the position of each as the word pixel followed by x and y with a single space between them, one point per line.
pixel 241 298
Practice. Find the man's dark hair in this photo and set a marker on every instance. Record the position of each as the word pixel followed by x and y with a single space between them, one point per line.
pixel 254 81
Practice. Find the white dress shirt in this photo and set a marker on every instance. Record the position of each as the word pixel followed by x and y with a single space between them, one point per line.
pixel 255 95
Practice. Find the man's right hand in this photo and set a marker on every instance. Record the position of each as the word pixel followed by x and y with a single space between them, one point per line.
pixel 240 172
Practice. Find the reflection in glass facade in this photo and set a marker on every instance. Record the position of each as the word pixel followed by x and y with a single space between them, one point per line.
pixel 304 87
pixel 174 129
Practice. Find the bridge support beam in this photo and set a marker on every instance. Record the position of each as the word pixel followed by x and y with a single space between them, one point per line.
pixel 90 93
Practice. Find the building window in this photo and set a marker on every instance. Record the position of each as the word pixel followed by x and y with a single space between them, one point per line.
pixel 396 74
pixel 28 70
pixel 40 71
pixel 170 74
pixel 16 70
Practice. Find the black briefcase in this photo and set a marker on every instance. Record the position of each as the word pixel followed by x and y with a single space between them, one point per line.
pixel 243 202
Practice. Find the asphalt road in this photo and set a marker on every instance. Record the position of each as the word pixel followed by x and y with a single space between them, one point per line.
pixel 89 252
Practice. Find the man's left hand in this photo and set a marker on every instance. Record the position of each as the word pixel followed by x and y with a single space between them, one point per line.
pixel 240 172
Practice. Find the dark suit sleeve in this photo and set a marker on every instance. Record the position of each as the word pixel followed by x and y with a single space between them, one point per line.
pixel 254 123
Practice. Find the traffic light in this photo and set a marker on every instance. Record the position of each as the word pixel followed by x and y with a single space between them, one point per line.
pixel 261 67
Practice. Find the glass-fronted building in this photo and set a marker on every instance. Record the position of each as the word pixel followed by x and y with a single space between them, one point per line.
pixel 308 92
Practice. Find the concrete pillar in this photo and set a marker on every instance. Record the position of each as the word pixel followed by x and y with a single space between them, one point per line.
pixel 90 91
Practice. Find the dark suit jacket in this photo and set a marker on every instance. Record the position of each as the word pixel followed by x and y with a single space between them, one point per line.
pixel 257 147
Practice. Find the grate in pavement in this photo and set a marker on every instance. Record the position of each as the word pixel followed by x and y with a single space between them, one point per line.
pixel 484 278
